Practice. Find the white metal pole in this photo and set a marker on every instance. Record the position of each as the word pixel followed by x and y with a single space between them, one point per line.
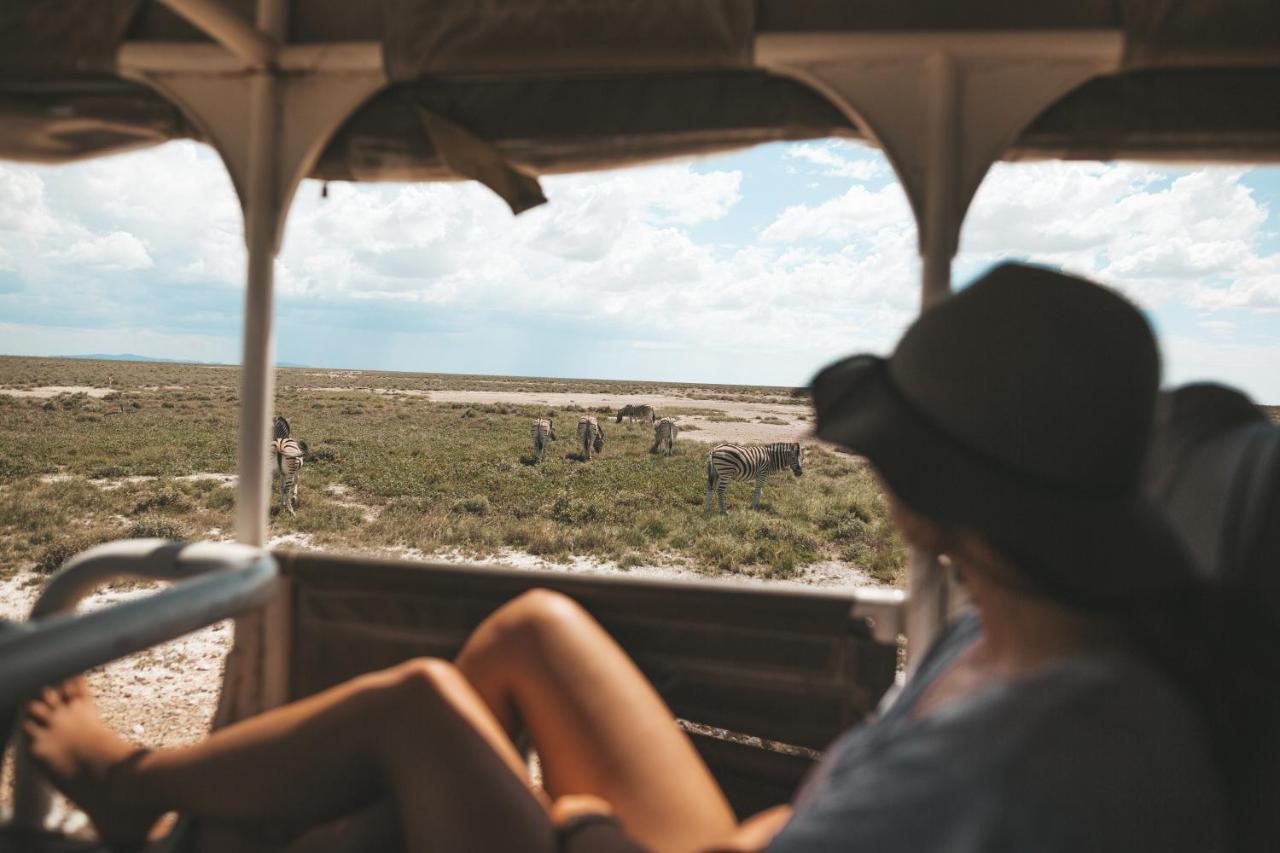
pixel 940 229
pixel 928 587
pixel 256 374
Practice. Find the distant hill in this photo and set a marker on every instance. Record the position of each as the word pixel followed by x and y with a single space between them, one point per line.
pixel 128 356
pixel 122 356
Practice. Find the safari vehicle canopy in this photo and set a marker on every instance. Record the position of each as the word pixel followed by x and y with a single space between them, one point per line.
pixel 505 90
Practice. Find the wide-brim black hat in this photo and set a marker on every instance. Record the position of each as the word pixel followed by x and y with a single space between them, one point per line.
pixel 1021 407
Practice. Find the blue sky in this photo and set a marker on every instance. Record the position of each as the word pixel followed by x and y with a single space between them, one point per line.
pixel 753 267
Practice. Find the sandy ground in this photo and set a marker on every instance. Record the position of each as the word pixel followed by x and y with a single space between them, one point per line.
pixel 714 432
pixel 749 430
pixel 55 390
pixel 166 696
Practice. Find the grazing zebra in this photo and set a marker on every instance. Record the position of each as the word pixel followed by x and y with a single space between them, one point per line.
pixel 590 436
pixel 664 435
pixel 728 462
pixel 637 412
pixel 280 429
pixel 544 432
pixel 289 452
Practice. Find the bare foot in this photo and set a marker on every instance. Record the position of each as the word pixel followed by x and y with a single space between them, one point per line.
pixel 88 762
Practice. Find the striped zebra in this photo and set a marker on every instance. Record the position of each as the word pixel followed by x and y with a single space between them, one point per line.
pixel 543 432
pixel 289 452
pixel 590 436
pixel 637 412
pixel 280 429
pixel 664 435
pixel 728 462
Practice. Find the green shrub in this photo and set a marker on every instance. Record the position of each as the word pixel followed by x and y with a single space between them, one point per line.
pixel 51 558
pixel 476 505
pixel 166 500
pixel 157 527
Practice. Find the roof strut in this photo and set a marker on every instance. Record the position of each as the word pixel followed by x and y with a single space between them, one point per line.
pixel 255 47
pixel 943 107
pixel 237 93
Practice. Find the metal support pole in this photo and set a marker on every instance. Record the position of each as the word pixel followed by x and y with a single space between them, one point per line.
pixel 942 107
pixel 240 103
pixel 928 585
pixel 939 234
pixel 256 373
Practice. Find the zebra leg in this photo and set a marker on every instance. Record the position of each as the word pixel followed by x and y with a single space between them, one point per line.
pixel 755 498
pixel 721 488
pixel 711 481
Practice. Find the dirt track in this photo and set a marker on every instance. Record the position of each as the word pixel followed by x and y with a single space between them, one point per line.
pixel 711 431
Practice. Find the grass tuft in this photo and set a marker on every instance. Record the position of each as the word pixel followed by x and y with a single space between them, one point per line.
pixel 413 473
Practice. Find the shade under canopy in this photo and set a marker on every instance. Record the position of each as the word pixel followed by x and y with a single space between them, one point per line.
pixel 558 85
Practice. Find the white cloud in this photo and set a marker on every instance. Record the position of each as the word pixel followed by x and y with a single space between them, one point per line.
pixel 620 254
pixel 115 251
pixel 1194 240
pixel 857 213
pixel 834 161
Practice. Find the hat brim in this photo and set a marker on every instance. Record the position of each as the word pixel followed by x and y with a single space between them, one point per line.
pixel 1087 547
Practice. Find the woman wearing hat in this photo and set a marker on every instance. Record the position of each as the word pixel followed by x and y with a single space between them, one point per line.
pixel 1066 713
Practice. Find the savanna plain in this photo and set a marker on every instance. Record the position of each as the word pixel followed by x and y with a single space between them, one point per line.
pixel 425 465
pixel 411 466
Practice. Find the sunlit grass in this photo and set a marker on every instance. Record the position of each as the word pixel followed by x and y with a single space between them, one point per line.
pixel 403 472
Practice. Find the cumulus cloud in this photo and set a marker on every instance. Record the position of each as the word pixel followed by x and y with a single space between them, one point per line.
pixel 655 261
pixel 838 159
pixel 115 251
pixel 855 214
pixel 1195 238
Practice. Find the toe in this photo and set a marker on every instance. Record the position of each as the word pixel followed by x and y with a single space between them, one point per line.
pixel 51 697
pixel 75 688
pixel 39 711
pixel 34 734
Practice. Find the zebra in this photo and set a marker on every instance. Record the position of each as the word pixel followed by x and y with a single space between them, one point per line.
pixel 280 429
pixel 664 435
pixel 728 462
pixel 640 411
pixel 590 436
pixel 289 453
pixel 544 431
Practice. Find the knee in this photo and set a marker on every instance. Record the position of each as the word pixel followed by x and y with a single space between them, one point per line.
pixel 538 611
pixel 418 681
pixel 524 623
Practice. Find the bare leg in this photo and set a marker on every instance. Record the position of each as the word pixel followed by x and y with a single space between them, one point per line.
pixel 422 735
pixel 598 725
pixel 417 733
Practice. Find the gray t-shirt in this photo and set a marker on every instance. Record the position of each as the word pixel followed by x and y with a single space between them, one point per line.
pixel 1088 754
